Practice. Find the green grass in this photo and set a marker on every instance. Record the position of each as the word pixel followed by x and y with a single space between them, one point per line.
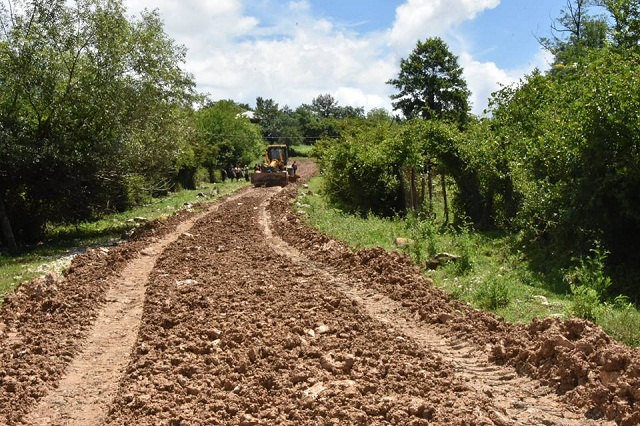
pixel 63 240
pixel 490 272
pixel 301 150
pixel 357 232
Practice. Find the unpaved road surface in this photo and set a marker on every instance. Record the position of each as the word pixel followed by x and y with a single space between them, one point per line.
pixel 238 314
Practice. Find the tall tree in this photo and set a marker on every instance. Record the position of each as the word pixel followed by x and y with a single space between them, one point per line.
pixel 324 105
pixel 227 137
pixel 266 114
pixel 90 101
pixel 575 31
pixel 626 16
pixel 430 84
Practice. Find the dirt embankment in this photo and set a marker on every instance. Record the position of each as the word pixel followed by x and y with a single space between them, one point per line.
pixel 248 317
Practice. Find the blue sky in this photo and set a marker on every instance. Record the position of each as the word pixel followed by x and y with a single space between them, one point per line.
pixel 292 51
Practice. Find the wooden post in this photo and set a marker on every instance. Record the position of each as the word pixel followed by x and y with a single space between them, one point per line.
pixel 423 188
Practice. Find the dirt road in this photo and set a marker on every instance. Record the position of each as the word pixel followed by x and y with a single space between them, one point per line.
pixel 238 314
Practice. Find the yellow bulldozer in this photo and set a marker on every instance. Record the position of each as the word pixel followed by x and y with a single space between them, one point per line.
pixel 275 171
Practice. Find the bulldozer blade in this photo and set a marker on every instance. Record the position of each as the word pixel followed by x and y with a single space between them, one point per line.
pixel 269 179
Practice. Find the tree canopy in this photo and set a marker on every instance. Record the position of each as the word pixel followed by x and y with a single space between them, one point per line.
pixel 90 103
pixel 430 84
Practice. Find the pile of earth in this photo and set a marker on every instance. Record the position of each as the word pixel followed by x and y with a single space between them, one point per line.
pixel 575 357
pixel 236 331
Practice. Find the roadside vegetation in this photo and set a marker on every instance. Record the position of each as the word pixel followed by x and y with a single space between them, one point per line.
pixel 538 198
pixel 489 271
pixel 62 241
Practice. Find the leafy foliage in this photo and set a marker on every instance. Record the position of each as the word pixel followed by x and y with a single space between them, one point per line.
pixel 89 102
pixel 589 283
pixel 430 84
pixel 362 170
pixel 226 137
pixel 571 141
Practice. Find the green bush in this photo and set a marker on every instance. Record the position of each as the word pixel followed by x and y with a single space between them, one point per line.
pixel 492 293
pixel 464 245
pixel 425 236
pixel 135 191
pixel 589 283
pixel 621 320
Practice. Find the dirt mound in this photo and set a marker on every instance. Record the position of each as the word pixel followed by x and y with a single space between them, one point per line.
pixel 574 357
pixel 43 323
pixel 251 318
pixel 581 362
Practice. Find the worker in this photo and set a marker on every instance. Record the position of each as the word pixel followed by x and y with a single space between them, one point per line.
pixel 294 166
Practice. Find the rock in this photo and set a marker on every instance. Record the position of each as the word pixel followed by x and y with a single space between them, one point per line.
pixel 322 329
pixel 500 419
pixel 440 259
pixel 192 390
pixel 404 242
pixel 444 318
pixel 186 283
pixel 314 390
pixel 543 300
pixel 335 364
pixel 249 420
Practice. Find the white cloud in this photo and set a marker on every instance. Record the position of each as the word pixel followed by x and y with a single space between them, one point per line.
pixel 288 54
pixel 292 59
pixel 419 19
pixel 197 23
pixel 484 78
pixel 299 5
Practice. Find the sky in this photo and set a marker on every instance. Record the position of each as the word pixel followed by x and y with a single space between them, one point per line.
pixel 293 51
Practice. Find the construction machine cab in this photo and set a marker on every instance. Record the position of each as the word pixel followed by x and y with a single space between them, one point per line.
pixel 275 171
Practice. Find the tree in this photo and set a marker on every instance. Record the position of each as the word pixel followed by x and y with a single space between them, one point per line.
pixel 431 85
pixel 313 126
pixel 90 109
pixel 266 114
pixel 626 16
pixel 575 31
pixel 226 137
pixel 288 127
pixel 324 106
pixel 379 114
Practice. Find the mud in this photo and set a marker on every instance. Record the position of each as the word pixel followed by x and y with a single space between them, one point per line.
pixel 248 317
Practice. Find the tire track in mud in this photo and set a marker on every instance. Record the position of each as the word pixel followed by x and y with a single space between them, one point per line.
pixel 516 400
pixel 240 328
pixel 84 393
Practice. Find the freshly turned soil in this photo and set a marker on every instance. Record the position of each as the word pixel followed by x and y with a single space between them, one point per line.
pixel 236 313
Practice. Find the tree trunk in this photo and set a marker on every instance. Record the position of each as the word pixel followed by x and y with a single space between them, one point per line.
pixel 446 204
pixel 423 189
pixel 7 232
pixel 430 185
pixel 414 190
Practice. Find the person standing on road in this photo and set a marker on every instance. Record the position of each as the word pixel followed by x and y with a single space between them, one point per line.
pixel 294 166
pixel 246 173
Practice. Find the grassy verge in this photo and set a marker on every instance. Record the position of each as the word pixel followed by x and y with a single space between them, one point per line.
pixel 300 150
pixel 488 272
pixel 64 241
